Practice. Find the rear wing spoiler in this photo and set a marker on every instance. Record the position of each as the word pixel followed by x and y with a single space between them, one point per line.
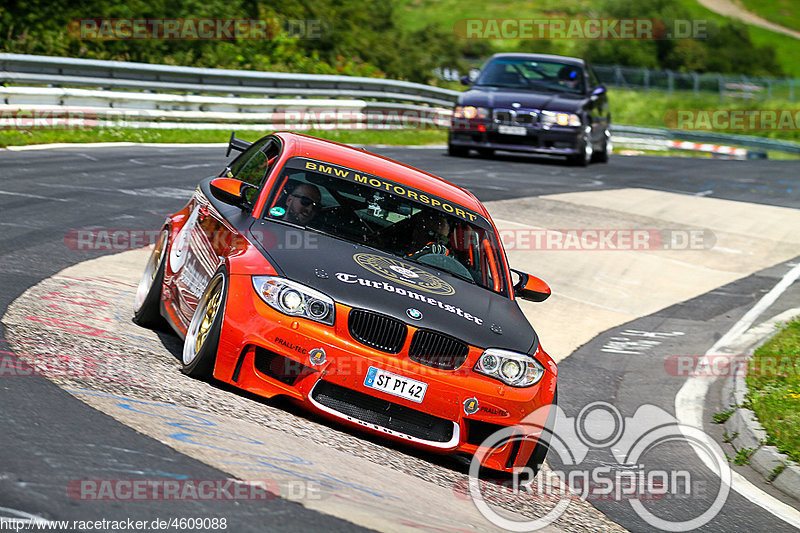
pixel 236 144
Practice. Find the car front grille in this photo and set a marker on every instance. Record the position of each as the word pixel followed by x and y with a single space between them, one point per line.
pixel 377 331
pixel 379 412
pixel 515 117
pixel 436 350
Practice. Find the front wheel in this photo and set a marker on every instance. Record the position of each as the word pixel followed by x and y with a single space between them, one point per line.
pixel 601 156
pixel 146 306
pixel 585 150
pixel 202 337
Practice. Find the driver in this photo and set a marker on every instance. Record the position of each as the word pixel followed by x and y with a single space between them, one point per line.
pixel 302 204
pixel 430 236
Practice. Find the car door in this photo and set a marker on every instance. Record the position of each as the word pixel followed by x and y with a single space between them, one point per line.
pixel 599 104
pixel 208 235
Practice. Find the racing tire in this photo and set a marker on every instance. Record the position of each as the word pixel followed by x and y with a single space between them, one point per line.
pixel 585 150
pixel 202 337
pixel 537 458
pixel 601 156
pixel 147 303
pixel 457 151
pixel 485 152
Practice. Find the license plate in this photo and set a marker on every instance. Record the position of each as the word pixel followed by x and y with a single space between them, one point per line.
pixel 410 389
pixel 512 130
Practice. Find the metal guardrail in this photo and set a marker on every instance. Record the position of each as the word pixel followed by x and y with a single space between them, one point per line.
pixel 348 100
pixel 71 72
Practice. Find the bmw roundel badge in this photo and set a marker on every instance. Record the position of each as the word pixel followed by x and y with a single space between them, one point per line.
pixel 414 314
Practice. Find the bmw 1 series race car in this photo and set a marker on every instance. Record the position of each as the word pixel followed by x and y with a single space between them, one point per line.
pixel 368 291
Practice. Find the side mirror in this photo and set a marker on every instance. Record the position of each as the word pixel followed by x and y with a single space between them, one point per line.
pixel 465 80
pixel 599 90
pixel 530 287
pixel 230 191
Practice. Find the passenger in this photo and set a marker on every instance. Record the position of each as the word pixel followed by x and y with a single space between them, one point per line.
pixel 302 204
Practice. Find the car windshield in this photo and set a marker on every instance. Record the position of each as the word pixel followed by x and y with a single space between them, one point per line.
pixel 393 218
pixel 520 73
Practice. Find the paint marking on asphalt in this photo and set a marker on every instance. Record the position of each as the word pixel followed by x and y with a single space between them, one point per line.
pixel 186 167
pixel 690 400
pixel 25 195
pixel 89 157
pixel 27 516
pixel 53 146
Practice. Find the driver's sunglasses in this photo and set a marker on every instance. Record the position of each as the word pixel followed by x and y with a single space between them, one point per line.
pixel 306 201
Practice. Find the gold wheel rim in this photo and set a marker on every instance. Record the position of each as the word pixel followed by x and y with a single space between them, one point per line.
pixel 209 314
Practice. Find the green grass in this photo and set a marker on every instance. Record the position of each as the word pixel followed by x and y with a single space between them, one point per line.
pixel 19 138
pixel 415 14
pixel 783 12
pixel 639 108
pixel 785 47
pixel 773 381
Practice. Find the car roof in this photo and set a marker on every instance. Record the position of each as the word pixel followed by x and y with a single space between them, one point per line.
pixel 541 57
pixel 299 145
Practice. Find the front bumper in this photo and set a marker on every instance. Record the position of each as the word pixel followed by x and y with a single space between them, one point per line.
pixel 557 140
pixel 268 353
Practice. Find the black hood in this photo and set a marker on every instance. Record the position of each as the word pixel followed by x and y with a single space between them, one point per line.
pixel 357 276
pixel 493 97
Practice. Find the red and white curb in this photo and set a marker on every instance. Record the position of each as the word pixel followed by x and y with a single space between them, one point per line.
pixel 705 147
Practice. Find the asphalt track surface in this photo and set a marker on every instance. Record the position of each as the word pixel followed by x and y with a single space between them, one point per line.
pixel 49 438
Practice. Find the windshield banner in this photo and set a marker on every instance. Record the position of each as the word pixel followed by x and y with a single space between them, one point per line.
pixel 383 184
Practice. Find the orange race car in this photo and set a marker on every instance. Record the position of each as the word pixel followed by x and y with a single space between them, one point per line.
pixel 366 290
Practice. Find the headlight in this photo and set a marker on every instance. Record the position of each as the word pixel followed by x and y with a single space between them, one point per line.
pixel 512 368
pixel 469 112
pixel 562 119
pixel 295 299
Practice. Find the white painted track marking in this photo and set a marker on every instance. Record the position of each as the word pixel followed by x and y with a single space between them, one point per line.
pixel 690 401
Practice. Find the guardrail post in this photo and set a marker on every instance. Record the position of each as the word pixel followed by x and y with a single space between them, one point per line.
pixel 670 82
pixel 646 72
pixel 696 78
pixel 721 83
pixel 791 89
